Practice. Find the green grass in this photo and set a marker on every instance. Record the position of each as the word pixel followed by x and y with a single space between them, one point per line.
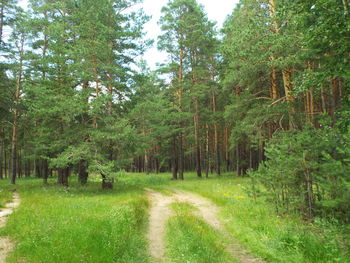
pixel 86 224
pixel 191 240
pixel 256 226
pixel 81 224
pixel 5 192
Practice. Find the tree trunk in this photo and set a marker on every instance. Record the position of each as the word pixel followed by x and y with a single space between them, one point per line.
pixel 97 88
pixel 274 94
pixel 27 168
pixel 60 176
pixel 227 156
pixel 181 139
pixel 181 158
pixel 14 153
pixel 146 163
pixel 45 170
pixel 287 83
pixel 145 157
pixel 207 152
pixel 323 100
pixel 196 134
pixel 333 99
pixel 216 139
pixel 65 175
pixel 310 98
pixel 37 168
pixel 174 160
pixel 6 173
pixel 83 174
pixel 272 10
pixel 15 114
pixel 237 160
pixel 1 156
pixel 19 164
pixel 309 194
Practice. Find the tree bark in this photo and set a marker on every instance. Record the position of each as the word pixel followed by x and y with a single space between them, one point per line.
pixel 311 97
pixel 45 170
pixel 216 139
pixel 60 176
pixel 227 156
pixel 16 112
pixel 333 99
pixel 6 172
pixel 275 29
pixel 37 168
pixel 207 152
pixel 196 128
pixel 19 164
pixel 83 174
pixel 2 151
pixel 237 161
pixel 181 139
pixel 65 175
pixel 27 168
pixel 287 83
pixel 97 88
pixel 145 156
pixel 274 94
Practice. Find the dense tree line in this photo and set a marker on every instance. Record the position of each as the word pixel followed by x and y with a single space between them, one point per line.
pixel 267 96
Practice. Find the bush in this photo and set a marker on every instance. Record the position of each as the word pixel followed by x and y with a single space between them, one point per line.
pixel 308 171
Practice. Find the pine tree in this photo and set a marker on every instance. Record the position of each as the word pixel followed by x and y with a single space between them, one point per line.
pixel 189 39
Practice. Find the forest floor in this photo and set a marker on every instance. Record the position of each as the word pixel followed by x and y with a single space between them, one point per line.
pixel 150 218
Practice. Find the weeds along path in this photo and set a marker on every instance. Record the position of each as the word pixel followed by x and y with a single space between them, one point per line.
pixel 208 211
pixel 5 244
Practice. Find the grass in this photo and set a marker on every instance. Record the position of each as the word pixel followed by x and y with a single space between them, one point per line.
pixel 86 224
pixel 5 193
pixel 191 240
pixel 256 226
pixel 81 224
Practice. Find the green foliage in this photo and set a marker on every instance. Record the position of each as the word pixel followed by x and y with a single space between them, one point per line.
pixel 308 171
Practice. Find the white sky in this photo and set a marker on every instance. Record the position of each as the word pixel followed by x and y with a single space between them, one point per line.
pixel 217 10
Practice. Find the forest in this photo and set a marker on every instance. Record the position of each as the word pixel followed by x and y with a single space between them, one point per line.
pixel 261 105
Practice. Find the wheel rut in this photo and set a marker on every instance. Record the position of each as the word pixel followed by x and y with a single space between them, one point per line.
pixel 6 245
pixel 160 212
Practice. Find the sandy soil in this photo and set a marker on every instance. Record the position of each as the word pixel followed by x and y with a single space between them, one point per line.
pixel 208 211
pixel 6 245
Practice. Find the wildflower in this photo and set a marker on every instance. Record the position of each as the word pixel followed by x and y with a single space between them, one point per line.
pixel 240 197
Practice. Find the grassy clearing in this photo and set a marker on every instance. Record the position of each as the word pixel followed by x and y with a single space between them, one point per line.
pixel 86 224
pixel 256 225
pixel 81 224
pixel 191 240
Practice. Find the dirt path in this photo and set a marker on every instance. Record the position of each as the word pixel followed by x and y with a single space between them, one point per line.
pixel 159 214
pixel 5 243
pixel 208 211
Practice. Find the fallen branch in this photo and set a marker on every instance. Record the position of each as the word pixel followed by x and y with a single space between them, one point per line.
pixel 277 101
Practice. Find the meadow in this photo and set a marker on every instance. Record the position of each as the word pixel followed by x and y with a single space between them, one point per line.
pixel 86 224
